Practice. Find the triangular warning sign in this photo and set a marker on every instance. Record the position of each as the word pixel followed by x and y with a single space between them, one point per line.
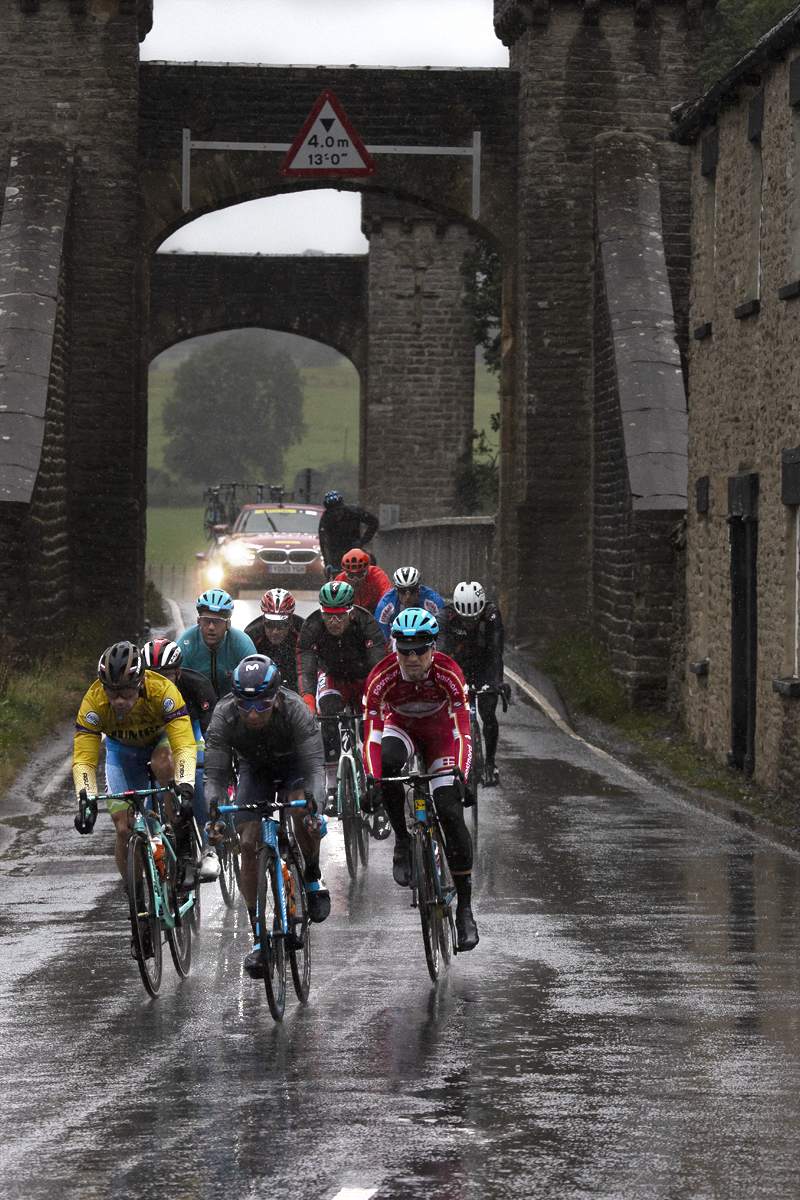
pixel 327 146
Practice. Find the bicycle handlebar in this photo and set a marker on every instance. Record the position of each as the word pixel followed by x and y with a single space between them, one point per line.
pixel 503 690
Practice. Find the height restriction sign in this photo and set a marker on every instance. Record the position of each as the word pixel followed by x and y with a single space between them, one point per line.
pixel 327 146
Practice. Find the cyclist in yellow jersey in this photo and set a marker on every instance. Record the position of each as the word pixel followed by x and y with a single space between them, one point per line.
pixel 133 708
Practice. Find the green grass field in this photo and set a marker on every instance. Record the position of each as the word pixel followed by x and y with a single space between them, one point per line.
pixel 330 411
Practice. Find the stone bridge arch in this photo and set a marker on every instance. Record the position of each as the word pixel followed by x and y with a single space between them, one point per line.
pixel 420 212
pixel 322 298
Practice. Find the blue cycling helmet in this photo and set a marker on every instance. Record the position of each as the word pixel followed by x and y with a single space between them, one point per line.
pixel 216 601
pixel 333 499
pixel 256 678
pixel 415 625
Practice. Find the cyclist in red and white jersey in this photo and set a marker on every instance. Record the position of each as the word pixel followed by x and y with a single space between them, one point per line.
pixel 416 699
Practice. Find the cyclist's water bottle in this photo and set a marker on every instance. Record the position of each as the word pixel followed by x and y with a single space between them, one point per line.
pixel 419 806
pixel 438 859
pixel 158 855
pixel 288 887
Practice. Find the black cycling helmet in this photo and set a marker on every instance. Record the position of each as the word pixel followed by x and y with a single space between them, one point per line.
pixel 121 666
pixel 256 678
pixel 162 655
pixel 333 499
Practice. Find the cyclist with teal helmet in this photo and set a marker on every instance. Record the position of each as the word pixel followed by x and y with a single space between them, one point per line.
pixel 416 699
pixel 211 646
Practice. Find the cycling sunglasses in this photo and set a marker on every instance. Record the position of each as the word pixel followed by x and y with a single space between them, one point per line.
pixel 213 621
pixel 408 591
pixel 259 705
pixel 418 650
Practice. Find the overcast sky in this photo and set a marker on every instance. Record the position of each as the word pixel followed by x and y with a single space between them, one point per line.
pixel 394 33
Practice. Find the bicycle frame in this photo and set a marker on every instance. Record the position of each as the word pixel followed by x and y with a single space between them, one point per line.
pixel 151 825
pixel 271 827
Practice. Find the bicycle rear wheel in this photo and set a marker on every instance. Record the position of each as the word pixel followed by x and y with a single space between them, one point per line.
pixel 145 925
pixel 427 899
pixel 228 851
pixel 476 770
pixel 349 811
pixel 270 933
pixel 364 824
pixel 300 926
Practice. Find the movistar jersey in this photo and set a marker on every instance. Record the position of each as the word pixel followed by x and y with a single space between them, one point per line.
pixel 217 665
pixel 159 708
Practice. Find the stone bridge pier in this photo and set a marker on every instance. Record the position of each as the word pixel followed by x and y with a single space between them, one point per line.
pixel 418 416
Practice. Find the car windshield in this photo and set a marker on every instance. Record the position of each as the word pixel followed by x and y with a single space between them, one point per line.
pixel 278 520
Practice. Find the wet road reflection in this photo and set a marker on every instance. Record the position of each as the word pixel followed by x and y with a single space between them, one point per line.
pixel 628 1026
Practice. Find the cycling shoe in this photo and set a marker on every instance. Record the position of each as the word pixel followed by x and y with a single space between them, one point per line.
pixel 401 863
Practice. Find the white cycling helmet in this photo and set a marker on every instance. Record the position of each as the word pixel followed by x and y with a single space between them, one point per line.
pixel 406 577
pixel 469 599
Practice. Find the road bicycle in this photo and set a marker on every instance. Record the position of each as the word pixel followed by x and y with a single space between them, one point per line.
pixel 283 926
pixel 478 764
pixel 158 902
pixel 432 888
pixel 216 512
pixel 350 787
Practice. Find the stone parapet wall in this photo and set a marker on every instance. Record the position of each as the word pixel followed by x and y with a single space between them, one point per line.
pixel 445 551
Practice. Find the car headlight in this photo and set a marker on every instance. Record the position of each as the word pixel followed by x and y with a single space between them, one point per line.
pixel 238 554
pixel 214 575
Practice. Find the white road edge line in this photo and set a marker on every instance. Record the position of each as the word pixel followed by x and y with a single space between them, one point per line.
pixel 175 613
pixel 355 1193
pixel 548 710
pixel 63 773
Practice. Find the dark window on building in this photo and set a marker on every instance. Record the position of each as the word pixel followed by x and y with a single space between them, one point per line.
pixel 709 153
pixel 755 118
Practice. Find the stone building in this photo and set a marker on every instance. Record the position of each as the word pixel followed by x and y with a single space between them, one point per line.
pixel 743 542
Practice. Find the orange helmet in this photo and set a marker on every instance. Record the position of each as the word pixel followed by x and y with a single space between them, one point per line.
pixel 355 560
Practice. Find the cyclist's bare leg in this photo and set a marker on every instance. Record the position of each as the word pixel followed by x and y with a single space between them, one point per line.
pixel 123 824
pixel 162 766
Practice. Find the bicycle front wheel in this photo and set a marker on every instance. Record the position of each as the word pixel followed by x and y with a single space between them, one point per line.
pixel 427 899
pixel 179 939
pixel 350 817
pixel 300 928
pixel 228 851
pixel 270 933
pixel 145 925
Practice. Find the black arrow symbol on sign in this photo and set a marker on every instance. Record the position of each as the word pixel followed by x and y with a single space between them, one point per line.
pixel 327 122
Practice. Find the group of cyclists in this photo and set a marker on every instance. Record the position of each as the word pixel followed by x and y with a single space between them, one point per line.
pixel 220 706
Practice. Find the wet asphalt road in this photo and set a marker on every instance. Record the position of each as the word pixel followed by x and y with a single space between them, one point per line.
pixel 628 1026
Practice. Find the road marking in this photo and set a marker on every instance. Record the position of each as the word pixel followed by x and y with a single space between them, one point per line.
pixel 63 773
pixel 548 710
pixel 175 613
pixel 355 1194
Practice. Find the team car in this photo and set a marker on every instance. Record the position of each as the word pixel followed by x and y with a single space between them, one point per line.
pixel 270 545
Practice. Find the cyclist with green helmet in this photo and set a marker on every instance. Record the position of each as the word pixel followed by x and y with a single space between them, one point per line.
pixel 211 646
pixel 339 645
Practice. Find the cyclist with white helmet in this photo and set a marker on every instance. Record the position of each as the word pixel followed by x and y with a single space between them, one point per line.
pixel 340 530
pixel 416 699
pixel 471 632
pixel 277 744
pixel 165 658
pixel 211 646
pixel 407 592
pixel 276 633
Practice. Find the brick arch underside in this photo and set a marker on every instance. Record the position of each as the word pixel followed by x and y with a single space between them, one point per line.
pixel 324 299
